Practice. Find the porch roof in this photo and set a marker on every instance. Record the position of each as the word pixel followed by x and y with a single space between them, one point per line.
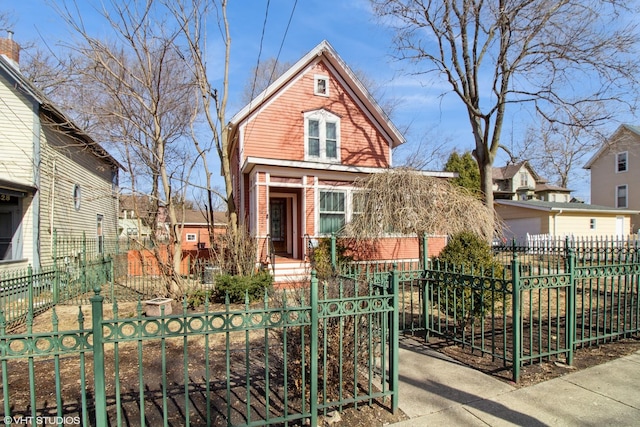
pixel 252 162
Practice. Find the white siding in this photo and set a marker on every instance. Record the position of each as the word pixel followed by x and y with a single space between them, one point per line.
pixel 17 136
pixel 65 164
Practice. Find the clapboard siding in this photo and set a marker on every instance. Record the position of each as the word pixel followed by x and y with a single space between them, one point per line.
pixel 17 135
pixel 65 164
pixel 35 155
pixel 278 131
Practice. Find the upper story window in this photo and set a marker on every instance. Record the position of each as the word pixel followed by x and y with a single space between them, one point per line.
pixel 322 136
pixel 321 85
pixel 191 237
pixel 524 179
pixel 621 162
pixel 621 196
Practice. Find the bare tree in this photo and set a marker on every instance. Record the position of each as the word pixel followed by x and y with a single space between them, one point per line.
pixel 144 103
pixel 261 76
pixel 555 150
pixel 555 55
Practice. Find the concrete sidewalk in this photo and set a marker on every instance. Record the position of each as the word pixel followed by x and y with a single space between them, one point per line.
pixel 435 390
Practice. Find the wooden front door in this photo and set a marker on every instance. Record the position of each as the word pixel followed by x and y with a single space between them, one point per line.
pixel 278 224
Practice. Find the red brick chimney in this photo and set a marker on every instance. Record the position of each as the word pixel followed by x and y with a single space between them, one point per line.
pixel 10 49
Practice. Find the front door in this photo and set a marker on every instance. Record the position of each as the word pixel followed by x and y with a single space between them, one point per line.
pixel 278 224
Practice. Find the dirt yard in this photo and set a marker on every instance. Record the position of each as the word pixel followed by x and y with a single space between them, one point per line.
pixel 365 416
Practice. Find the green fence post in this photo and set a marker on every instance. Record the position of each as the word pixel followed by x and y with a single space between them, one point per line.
pixel 334 255
pixel 56 273
pixel 30 287
pixel 517 324
pixel 83 262
pixel 112 277
pixel 394 338
pixel 571 305
pixel 425 250
pixel 313 350
pixel 100 398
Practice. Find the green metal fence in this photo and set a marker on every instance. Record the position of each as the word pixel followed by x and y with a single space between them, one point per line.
pixel 547 302
pixel 292 357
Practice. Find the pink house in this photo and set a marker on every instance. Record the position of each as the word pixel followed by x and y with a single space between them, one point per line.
pixel 296 150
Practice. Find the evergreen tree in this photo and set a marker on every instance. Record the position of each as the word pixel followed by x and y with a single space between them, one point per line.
pixel 467 169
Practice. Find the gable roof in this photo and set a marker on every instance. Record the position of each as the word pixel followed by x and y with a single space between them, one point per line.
pixel 199 217
pixel 564 207
pixel 324 52
pixel 52 112
pixel 635 130
pixel 509 171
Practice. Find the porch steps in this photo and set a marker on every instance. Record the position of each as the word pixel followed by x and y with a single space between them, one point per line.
pixel 291 272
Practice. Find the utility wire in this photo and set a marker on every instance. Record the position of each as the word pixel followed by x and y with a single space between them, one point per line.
pixel 264 27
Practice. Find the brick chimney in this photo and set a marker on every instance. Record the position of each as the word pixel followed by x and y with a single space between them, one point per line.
pixel 10 49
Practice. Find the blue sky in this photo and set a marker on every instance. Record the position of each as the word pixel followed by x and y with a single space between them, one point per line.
pixel 352 30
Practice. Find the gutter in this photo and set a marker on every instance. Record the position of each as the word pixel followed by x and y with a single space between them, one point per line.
pixel 555 222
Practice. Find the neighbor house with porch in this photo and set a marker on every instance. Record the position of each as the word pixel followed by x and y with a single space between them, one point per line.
pixel 296 150
pixel 56 181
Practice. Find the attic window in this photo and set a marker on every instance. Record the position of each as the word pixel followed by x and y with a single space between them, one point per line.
pixel 321 85
pixel 621 162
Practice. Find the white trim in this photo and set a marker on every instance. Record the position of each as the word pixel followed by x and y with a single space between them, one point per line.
pixel 323 117
pixel 290 206
pixel 626 161
pixel 187 237
pixel 251 162
pixel 317 78
pixel 564 208
pixel 626 196
pixel 312 57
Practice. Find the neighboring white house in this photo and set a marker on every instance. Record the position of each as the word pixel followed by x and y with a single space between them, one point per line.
pixel 53 175
pixel 518 181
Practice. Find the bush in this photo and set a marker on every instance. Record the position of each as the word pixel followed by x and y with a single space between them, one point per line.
pixel 237 287
pixel 197 298
pixel 321 258
pixel 468 300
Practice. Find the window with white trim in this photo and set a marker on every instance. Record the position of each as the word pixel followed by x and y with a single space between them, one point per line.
pixel 191 237
pixel 332 211
pixel 621 196
pixel 621 162
pixel 321 85
pixel 592 223
pixel 322 136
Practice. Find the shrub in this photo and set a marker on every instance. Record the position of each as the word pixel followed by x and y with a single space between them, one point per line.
pixel 237 287
pixel 468 300
pixel 197 297
pixel 321 258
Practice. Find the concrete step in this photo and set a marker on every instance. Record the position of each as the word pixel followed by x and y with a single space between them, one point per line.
pixel 291 271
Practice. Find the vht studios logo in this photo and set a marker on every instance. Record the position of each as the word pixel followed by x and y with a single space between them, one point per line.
pixel 41 421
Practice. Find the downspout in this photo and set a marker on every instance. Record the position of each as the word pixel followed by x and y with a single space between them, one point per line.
pixel 555 223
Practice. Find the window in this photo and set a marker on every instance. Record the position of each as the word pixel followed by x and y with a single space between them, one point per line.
pixel 621 196
pixel 592 224
pixel 100 233
pixel 77 196
pixel 524 179
pixel 191 237
pixel 322 136
pixel 321 85
pixel 332 211
pixel 621 162
pixel 10 234
pixel 358 205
